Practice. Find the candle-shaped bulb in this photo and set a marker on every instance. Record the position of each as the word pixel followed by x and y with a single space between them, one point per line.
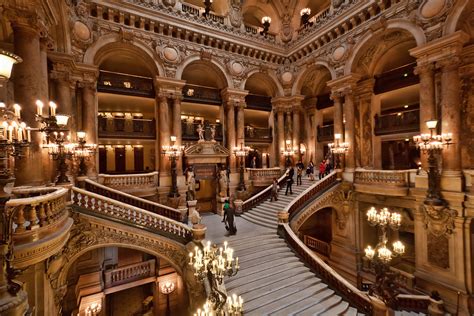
pixel 39 107
pixel 17 108
pixel 52 108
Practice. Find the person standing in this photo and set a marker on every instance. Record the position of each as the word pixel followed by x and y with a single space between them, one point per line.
pixel 253 163
pixel 289 180
pixel 322 169
pixel 275 188
pixel 299 172
pixel 311 170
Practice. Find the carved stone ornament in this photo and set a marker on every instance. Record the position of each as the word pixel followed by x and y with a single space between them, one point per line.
pixel 235 15
pixel 169 3
pixel 286 32
pixel 431 14
pixel 439 220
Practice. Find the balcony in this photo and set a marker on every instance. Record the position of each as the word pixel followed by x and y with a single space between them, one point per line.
pixel 138 273
pixel 200 94
pixel 189 131
pixel 321 247
pixel 325 133
pixel 384 182
pixel 112 82
pixel 263 176
pixel 258 102
pixel 117 127
pixel 396 123
pixel 258 135
pixel 395 79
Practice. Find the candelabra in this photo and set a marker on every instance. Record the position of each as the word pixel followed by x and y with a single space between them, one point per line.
pixel 83 152
pixel 433 144
pixel 338 149
pixel 214 264
pixel 288 152
pixel 167 288
pixel 266 20
pixel 305 13
pixel 207 7
pixel 173 152
pixel 241 152
pixel 381 256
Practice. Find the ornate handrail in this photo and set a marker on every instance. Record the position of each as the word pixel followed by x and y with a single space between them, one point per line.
pixel 317 245
pixel 129 199
pixel 126 128
pixel 399 178
pixel 310 193
pixel 362 301
pixel 102 206
pixel 393 123
pixel 36 211
pixel 268 173
pixel 124 181
pixel 128 273
pixel 261 196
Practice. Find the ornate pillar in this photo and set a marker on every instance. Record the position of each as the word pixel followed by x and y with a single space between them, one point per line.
pixel 177 125
pixel 240 124
pixel 28 85
pixel 63 94
pixel 338 121
pixel 364 131
pixel 89 118
pixel 349 129
pixel 164 130
pixel 296 130
pixel 281 135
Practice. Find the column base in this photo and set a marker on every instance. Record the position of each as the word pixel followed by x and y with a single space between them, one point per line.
pixel 451 181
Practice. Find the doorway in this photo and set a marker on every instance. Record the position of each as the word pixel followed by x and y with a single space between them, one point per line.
pixel 206 186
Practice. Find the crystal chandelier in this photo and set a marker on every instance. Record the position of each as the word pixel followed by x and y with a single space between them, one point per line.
pixel 338 147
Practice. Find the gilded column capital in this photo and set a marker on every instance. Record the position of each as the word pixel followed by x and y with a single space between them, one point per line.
pixel 449 63
pixel 336 96
pixel 426 68
pixel 26 18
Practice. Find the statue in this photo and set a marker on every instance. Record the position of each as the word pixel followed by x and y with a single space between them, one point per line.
pixel 200 131
pixel 213 133
pixel 223 182
pixel 191 183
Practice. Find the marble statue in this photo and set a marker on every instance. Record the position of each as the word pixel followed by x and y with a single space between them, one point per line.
pixel 191 183
pixel 213 133
pixel 200 131
pixel 223 182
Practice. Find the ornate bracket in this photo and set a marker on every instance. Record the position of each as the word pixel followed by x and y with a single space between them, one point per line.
pixel 439 220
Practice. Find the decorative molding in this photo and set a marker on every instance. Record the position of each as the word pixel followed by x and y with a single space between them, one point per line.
pixel 438 220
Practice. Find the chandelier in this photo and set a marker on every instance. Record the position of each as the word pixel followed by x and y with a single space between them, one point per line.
pixel 432 142
pixel 338 147
pixel 241 152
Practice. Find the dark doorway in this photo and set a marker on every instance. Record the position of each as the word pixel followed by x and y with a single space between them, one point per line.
pixel 119 159
pixel 138 158
pixel 102 160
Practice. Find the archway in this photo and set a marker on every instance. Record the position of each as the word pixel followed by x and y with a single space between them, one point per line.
pixel 317 231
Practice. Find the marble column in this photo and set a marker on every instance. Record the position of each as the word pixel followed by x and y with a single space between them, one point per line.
pixel 240 124
pixel 89 119
pixel 28 85
pixel 281 136
pixel 451 114
pixel 177 126
pixel 427 100
pixel 64 98
pixel 338 123
pixel 164 128
pixel 296 132
pixel 349 130
pixel 230 131
pixel 366 131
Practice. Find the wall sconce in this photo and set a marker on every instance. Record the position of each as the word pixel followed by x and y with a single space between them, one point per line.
pixel 266 20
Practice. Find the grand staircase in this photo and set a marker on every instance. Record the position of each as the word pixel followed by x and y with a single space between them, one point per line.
pixel 265 214
pixel 272 280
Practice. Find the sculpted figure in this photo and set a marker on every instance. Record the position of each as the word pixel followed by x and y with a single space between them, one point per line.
pixel 191 183
pixel 200 131
pixel 223 182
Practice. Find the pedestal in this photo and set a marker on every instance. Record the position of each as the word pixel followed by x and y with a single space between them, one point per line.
pixel 220 205
pixel 199 232
pixel 193 213
pixel 238 207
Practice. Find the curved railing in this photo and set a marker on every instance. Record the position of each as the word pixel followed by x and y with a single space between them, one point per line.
pixel 34 208
pixel 362 301
pixel 119 181
pixel 261 196
pixel 311 193
pixel 110 209
pixel 138 202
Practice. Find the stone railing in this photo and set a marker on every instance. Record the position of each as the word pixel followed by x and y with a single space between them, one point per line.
pixel 263 176
pixel 321 247
pixel 111 209
pixel 420 304
pixel 139 184
pixel 261 196
pixel 39 223
pixel 395 123
pixel 362 301
pixel 387 182
pixel 129 273
pixel 310 194
pixel 141 203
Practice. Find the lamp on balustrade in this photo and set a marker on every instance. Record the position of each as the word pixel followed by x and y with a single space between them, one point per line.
pixel 433 144
pixel 266 20
pixel 213 264
pixel 82 152
pixel 305 13
pixel 338 148
pixel 288 152
pixel 173 152
pixel 241 152
pixel 207 8
pixel 381 256
pixel 14 136
pixel 167 288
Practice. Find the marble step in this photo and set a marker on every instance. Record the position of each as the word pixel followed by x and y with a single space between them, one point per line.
pixel 306 302
pixel 268 266
pixel 272 224
pixel 261 234
pixel 270 244
pixel 264 256
pixel 322 306
pixel 264 214
pixel 338 309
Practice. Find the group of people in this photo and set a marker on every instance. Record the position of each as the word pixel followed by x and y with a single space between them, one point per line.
pixel 325 168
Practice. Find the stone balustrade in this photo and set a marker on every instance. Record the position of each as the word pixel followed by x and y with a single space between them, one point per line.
pixel 138 202
pixel 139 184
pixel 385 182
pixel 110 209
pixel 39 223
pixel 129 273
pixel 321 247
pixel 263 176
pixel 261 196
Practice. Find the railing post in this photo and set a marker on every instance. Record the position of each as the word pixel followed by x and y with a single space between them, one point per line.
pixel 436 307
pixel 199 233
pixel 379 307
pixel 238 207
pixel 283 217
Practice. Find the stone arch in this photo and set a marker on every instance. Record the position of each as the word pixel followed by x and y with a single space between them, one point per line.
pixel 453 18
pixel 112 43
pixel 269 78
pixel 299 81
pixel 213 64
pixel 365 41
pixel 89 234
